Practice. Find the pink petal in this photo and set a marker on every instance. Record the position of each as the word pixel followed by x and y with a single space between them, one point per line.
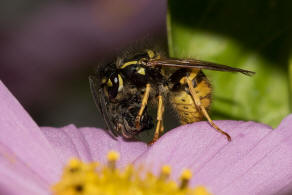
pixel 192 145
pixel 99 143
pixel 22 141
pixel 267 169
pixel 91 144
pixel 257 161
pixel 68 142
pixel 18 179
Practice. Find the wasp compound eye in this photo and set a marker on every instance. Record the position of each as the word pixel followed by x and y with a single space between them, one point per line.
pixel 113 86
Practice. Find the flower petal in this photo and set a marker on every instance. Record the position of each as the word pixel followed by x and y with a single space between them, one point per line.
pixel 91 144
pixel 258 160
pixel 68 142
pixel 195 144
pixel 267 168
pixel 99 143
pixel 22 141
pixel 17 179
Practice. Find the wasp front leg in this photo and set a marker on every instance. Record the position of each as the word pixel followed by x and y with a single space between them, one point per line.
pixel 143 105
pixel 159 126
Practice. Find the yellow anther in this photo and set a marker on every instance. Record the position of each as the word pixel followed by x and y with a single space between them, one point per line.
pixel 113 155
pixel 185 177
pixel 201 190
pixel 166 169
pixel 107 179
pixel 186 174
pixel 165 172
pixel 74 163
pixel 90 166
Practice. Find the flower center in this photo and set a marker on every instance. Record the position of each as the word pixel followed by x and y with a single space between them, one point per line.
pixel 96 179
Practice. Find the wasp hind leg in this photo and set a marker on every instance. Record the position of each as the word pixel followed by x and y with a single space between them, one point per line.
pixel 159 126
pixel 203 109
pixel 143 105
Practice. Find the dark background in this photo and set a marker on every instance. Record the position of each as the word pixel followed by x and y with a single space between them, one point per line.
pixel 48 49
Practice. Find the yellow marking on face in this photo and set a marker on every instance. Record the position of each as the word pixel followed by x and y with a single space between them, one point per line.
pixel 142 60
pixel 121 83
pixel 109 83
pixel 103 80
pixel 129 63
pixel 150 53
pixel 141 71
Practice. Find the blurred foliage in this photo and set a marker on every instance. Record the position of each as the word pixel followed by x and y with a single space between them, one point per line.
pixel 253 35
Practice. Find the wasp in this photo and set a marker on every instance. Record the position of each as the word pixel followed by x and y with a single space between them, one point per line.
pixel 123 89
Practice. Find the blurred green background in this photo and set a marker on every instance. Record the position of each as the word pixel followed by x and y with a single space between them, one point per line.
pixel 254 35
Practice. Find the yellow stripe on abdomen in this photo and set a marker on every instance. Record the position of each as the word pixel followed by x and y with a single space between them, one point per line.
pixel 184 104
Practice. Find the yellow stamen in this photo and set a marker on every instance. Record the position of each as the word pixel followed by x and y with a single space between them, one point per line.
pixel 74 165
pixel 93 179
pixel 165 172
pixel 185 177
pixel 112 158
pixel 201 190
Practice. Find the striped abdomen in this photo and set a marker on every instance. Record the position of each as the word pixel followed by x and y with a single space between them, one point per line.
pixel 181 98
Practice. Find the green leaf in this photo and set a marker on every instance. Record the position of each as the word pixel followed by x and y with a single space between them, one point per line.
pixel 248 34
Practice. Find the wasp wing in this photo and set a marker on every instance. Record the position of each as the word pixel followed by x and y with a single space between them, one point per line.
pixel 101 103
pixel 199 64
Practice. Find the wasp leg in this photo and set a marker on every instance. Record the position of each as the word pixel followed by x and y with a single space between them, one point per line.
pixel 159 126
pixel 162 125
pixel 203 109
pixel 160 112
pixel 144 103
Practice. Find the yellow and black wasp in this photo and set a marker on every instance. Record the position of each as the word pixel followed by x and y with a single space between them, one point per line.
pixel 122 90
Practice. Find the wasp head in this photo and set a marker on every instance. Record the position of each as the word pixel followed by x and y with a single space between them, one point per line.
pixel 119 102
